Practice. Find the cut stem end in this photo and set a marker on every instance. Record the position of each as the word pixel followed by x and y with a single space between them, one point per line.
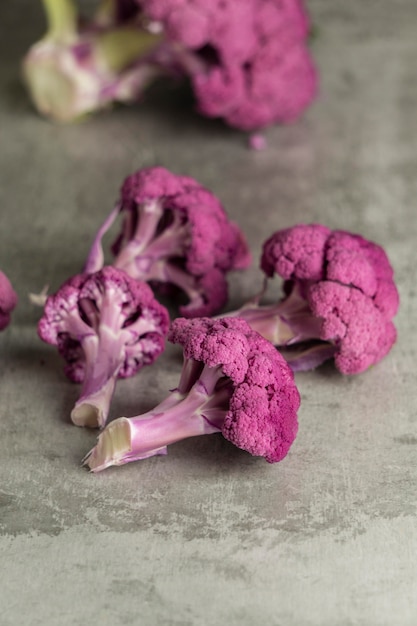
pixel 87 415
pixel 112 447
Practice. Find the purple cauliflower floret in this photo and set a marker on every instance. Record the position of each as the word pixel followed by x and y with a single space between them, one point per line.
pixel 257 66
pixel 233 381
pixel 247 60
pixel 8 300
pixel 175 232
pixel 340 298
pixel 106 325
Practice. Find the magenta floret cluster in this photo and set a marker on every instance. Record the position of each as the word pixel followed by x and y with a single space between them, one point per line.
pixel 255 64
pixel 108 299
pixel 175 233
pixel 262 412
pixel 8 300
pixel 106 325
pixel 212 241
pixel 348 284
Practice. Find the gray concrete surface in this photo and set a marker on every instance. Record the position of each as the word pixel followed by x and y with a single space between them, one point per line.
pixel 209 535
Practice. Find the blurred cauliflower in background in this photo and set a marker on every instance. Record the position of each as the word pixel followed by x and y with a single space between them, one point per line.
pixel 247 60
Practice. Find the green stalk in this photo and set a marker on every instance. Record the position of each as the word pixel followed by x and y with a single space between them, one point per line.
pixel 61 17
pixel 122 46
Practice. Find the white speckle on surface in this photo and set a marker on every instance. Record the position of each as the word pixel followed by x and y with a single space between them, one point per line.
pixel 257 141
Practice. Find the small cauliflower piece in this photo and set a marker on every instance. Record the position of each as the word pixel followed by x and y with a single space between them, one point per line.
pixel 8 300
pixel 340 298
pixel 175 233
pixel 233 381
pixel 107 326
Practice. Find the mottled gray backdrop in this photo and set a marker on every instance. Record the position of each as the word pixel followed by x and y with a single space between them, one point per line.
pixel 209 535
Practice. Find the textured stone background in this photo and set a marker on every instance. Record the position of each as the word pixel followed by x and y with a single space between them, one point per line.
pixel 209 535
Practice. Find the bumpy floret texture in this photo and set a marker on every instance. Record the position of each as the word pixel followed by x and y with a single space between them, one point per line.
pixel 214 240
pixel 347 282
pixel 87 302
pixel 208 244
pixel 262 415
pixel 8 300
pixel 53 327
pixel 257 68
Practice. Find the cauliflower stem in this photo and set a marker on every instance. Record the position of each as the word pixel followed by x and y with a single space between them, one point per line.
pixel 199 410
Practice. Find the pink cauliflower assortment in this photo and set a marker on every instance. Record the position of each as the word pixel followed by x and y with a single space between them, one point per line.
pixel 233 381
pixel 247 60
pixel 340 298
pixel 8 300
pixel 248 64
pixel 175 234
